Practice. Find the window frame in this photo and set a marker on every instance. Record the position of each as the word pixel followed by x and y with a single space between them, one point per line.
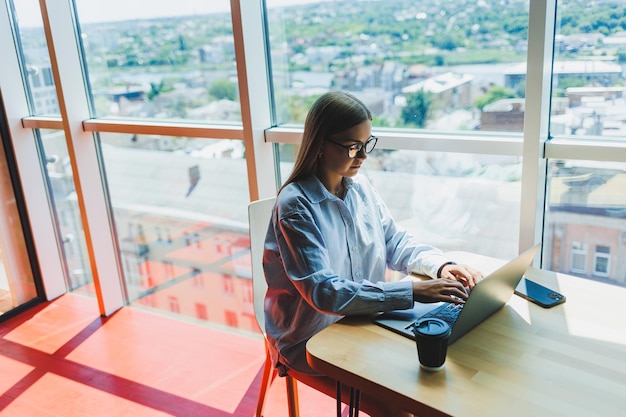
pixel 602 255
pixel 578 249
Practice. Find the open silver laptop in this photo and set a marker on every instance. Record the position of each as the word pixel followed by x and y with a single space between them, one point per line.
pixel 488 296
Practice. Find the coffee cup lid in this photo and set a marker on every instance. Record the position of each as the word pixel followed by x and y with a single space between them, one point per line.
pixel 431 327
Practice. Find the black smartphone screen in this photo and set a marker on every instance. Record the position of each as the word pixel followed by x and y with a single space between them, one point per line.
pixel 538 294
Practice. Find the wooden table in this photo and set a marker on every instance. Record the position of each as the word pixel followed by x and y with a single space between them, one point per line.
pixel 524 360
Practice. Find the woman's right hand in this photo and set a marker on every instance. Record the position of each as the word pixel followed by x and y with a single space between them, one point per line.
pixel 443 289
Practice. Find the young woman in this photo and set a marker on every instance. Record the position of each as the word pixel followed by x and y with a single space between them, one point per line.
pixel 330 240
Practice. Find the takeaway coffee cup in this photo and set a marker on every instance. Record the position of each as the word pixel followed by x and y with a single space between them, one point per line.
pixel 431 337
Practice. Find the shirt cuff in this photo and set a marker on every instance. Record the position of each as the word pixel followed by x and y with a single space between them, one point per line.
pixel 398 295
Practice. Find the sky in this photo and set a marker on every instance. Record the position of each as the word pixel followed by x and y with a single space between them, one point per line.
pixel 91 11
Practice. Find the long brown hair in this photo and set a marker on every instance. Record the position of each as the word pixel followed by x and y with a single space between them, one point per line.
pixel 332 112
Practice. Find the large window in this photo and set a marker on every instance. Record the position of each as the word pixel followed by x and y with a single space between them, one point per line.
pixel 67 212
pixel 453 201
pixel 586 203
pixel 444 66
pixel 161 60
pixel 41 95
pixel 38 69
pixel 588 96
pixel 489 142
pixel 180 211
pixel 586 215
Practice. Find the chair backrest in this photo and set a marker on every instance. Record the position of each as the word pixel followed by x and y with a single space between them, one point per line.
pixel 259 213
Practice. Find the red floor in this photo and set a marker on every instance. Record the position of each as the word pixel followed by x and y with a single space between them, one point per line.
pixel 63 359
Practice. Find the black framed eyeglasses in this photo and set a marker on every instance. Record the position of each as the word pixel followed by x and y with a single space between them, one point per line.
pixel 355 148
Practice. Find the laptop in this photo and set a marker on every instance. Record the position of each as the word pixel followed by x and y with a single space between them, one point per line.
pixel 488 296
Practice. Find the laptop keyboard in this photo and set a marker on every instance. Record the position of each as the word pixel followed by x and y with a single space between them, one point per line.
pixel 448 314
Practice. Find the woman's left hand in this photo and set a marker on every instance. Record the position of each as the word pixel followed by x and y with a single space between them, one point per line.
pixel 463 273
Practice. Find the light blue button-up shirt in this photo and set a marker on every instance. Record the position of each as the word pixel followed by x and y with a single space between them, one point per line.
pixel 325 258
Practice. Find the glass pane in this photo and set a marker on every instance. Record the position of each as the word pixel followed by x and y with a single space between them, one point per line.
pixel 180 211
pixel 43 100
pixel 453 201
pixel 446 66
pixel 586 210
pixel 162 60
pixel 588 82
pixel 67 211
pixel 17 284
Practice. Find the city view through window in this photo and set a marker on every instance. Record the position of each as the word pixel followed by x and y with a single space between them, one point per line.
pixel 180 204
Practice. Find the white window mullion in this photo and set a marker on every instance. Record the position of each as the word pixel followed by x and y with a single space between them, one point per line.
pixel 536 119
pixel 252 72
pixel 59 26
pixel 33 181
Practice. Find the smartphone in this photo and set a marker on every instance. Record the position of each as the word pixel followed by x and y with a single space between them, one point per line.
pixel 538 294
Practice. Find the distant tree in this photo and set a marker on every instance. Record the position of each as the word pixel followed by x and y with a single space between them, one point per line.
pixel 222 88
pixel 494 93
pixel 155 90
pixel 567 82
pixel 292 108
pixel 447 42
pixel 417 107
pixel 521 89
pixel 299 107
pixel 379 121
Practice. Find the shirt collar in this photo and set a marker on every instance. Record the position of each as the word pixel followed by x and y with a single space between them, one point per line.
pixel 315 190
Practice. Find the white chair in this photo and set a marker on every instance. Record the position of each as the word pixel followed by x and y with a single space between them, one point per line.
pixel 259 213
